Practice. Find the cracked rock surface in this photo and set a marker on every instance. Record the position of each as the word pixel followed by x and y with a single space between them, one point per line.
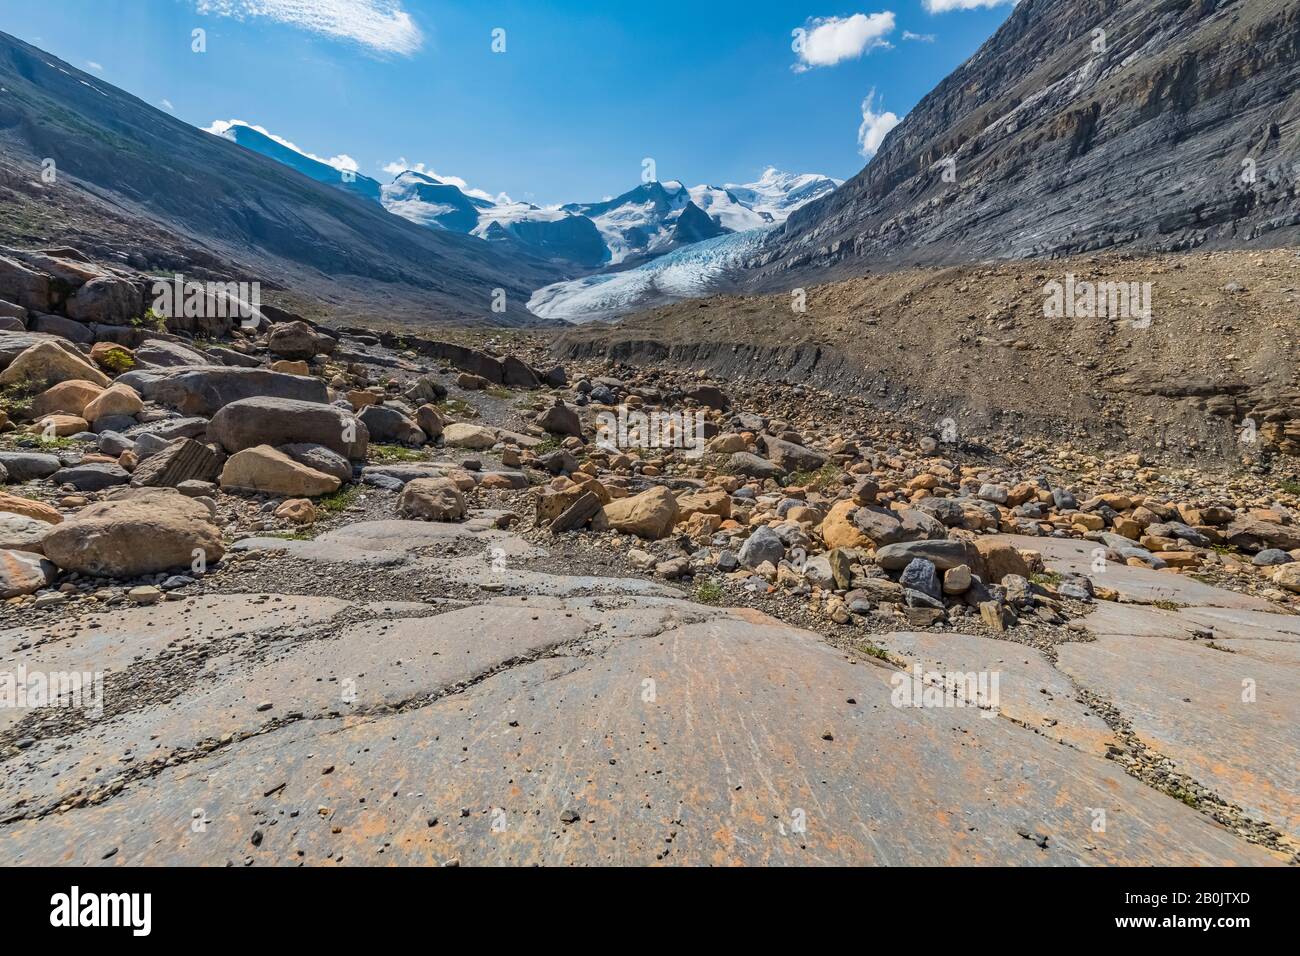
pixel 563 720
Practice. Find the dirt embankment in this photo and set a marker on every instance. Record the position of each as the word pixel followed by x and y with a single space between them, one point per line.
pixel 973 344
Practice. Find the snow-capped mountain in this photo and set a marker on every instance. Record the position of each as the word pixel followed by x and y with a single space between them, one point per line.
pixel 322 172
pixel 430 202
pixel 640 225
pixel 645 222
pixel 778 194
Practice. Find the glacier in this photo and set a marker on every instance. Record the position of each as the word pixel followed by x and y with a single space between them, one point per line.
pixel 688 272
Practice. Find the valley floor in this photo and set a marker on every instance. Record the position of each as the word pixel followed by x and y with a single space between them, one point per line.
pixel 382 691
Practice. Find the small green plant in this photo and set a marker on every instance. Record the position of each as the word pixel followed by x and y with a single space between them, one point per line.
pixel 546 446
pixel 1166 605
pixel 708 591
pixel 150 319
pixel 498 392
pixel 116 361
pixel 459 407
pixel 300 535
pixel 826 477
pixel 386 453
pixel 1290 487
pixel 871 650
pixel 1046 578
pixel 16 399
pixel 48 443
pixel 340 500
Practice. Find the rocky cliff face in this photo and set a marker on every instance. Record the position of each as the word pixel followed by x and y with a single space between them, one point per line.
pixel 1159 125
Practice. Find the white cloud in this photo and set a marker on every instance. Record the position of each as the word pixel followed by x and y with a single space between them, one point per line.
pixel 943 6
pixel 167 105
pixel 222 128
pixel 97 67
pixel 379 24
pixel 918 37
pixel 398 166
pixel 826 41
pixel 875 126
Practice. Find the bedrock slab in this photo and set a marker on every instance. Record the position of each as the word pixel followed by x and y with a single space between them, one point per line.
pixel 1227 719
pixel 614 729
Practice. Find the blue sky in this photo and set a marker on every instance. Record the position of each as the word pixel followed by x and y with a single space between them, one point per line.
pixel 711 90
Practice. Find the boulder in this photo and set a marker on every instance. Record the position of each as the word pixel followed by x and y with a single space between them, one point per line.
pixel 280 421
pixel 839 531
pixel 295 368
pixel 58 426
pixel 464 435
pixel 107 299
pixel 791 457
pixel 704 502
pixel 553 502
pixel 320 458
pixel 23 286
pixel 763 545
pixel 650 514
pixel 161 353
pixel 13 344
pixel 560 419
pixel 206 390
pixel 710 396
pixel 15 504
pixel 183 460
pixel 515 373
pixel 116 400
pixel 744 463
pixel 28 465
pixel 51 363
pixel 95 476
pixel 727 444
pixel 1251 534
pixel 424 390
pixel 135 532
pixel 297 511
pixel 1288 577
pixel 921 575
pixel 21 532
pixel 430 421
pixel 945 554
pixel 1000 559
pixel 269 471
pixel 431 499
pixel 70 397
pixel 298 340
pixel 159 433
pixel 22 572
pixel 880 526
pixel 577 514
pixel 69 329
pixel 387 424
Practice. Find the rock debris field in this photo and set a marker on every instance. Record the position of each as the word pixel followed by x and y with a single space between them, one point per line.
pixel 344 598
